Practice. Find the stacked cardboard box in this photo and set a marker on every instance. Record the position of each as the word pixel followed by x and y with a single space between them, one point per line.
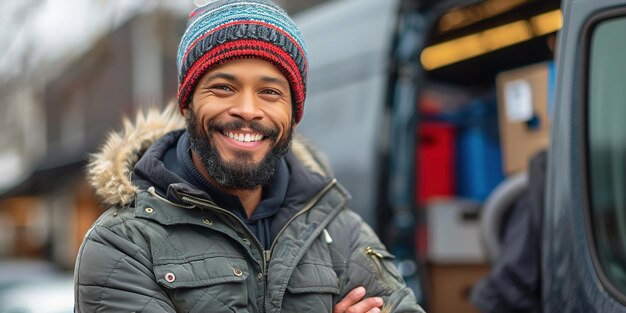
pixel 523 101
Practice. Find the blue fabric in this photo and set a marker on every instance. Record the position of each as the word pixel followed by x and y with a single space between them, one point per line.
pixel 222 12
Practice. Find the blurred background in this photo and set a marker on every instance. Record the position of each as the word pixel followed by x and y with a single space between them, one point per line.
pixel 406 98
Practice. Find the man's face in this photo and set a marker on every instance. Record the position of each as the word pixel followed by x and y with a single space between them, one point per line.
pixel 240 122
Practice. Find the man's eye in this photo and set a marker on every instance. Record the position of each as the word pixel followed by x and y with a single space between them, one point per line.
pixel 270 92
pixel 221 88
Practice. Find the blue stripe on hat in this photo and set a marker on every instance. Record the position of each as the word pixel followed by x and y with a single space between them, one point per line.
pixel 223 12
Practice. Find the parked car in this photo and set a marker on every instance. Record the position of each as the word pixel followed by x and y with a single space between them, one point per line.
pixel 35 287
pixel 45 295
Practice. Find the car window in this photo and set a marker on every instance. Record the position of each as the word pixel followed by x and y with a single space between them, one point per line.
pixel 607 147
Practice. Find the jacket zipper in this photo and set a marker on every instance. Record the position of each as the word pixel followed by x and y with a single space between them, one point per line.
pixel 304 209
pixel 377 259
pixel 265 254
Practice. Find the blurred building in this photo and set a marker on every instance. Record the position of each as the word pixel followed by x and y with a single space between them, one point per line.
pixel 51 121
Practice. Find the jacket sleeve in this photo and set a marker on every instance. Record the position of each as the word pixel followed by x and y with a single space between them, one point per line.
pixel 368 264
pixel 112 274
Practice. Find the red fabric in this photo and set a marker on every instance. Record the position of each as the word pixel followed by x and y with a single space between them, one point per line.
pixel 241 49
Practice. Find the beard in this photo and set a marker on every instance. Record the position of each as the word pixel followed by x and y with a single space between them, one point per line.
pixel 242 173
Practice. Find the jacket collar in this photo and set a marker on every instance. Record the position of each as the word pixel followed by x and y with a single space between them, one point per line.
pixel 150 173
pixel 321 208
pixel 109 170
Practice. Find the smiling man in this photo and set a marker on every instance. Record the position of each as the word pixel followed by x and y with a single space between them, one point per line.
pixel 230 213
pixel 240 124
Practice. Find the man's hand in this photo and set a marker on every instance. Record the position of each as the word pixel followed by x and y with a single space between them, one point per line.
pixel 352 303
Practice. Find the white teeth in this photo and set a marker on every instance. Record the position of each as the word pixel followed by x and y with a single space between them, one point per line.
pixel 244 138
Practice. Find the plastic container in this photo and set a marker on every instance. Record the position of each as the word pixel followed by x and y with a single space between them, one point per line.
pixel 435 161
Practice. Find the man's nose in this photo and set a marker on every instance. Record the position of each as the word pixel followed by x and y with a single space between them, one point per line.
pixel 247 107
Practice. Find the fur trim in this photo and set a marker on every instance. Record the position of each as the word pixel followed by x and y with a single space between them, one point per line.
pixel 311 157
pixel 110 168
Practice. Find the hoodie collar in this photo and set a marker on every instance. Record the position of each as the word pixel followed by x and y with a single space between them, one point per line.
pixel 273 194
pixel 291 188
pixel 110 169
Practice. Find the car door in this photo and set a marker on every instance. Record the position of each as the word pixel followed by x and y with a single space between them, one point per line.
pixel 584 227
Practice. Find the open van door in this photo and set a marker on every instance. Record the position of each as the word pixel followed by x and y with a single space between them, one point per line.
pixel 584 234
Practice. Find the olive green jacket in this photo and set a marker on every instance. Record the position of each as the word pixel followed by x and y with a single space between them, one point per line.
pixel 149 253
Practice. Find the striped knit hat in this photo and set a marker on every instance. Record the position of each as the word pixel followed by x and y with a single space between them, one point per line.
pixel 224 30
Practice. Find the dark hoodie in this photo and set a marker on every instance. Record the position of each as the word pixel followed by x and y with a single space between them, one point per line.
pixel 168 163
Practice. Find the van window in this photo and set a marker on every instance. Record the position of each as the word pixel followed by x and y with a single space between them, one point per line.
pixel 607 147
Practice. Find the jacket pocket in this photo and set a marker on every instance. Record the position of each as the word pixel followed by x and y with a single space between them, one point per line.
pixel 311 288
pixel 215 284
pixel 313 278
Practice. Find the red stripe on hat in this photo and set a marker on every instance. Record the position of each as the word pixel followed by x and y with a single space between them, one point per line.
pixel 244 47
pixel 240 49
pixel 226 52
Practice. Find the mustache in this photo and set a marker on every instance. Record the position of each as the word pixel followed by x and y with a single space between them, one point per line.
pixel 267 132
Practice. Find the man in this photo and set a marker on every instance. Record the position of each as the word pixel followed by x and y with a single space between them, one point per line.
pixel 228 215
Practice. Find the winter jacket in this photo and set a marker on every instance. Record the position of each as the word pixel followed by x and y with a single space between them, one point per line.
pixel 175 250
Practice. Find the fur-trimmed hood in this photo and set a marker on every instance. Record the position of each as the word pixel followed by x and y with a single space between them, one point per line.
pixel 109 170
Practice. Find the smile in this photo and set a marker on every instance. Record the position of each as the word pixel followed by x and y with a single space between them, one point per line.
pixel 244 137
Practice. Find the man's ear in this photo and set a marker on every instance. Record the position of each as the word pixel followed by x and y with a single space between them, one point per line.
pixel 293 123
pixel 187 111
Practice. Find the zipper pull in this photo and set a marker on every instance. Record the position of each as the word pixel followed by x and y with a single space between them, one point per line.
pixel 266 260
pixel 327 236
pixel 371 251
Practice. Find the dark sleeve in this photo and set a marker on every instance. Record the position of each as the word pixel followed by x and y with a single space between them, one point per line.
pixel 114 275
pixel 513 285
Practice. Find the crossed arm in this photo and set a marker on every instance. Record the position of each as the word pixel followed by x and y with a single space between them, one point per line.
pixel 354 303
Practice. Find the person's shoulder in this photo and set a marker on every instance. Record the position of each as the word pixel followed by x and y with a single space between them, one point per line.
pixel 121 229
pixel 131 218
pixel 117 217
pixel 347 220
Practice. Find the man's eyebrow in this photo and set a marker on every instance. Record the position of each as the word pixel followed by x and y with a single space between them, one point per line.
pixel 232 78
pixel 222 75
pixel 270 79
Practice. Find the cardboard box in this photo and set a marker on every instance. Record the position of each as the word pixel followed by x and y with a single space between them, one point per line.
pixel 451 286
pixel 523 96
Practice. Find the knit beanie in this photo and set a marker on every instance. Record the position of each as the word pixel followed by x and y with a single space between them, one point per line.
pixel 225 30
